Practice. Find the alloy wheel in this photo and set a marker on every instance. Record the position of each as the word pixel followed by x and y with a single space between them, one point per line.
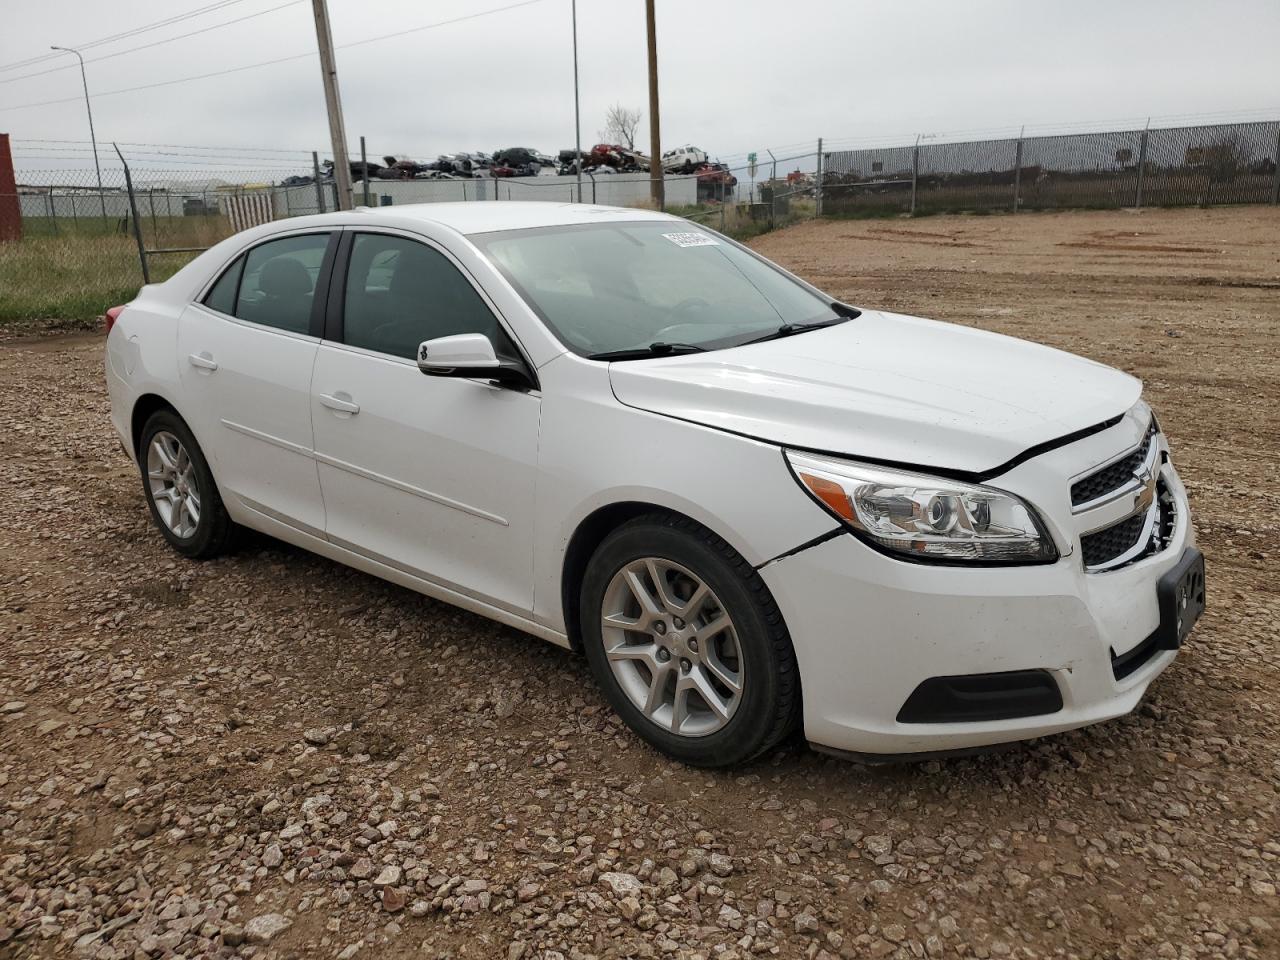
pixel 171 480
pixel 672 647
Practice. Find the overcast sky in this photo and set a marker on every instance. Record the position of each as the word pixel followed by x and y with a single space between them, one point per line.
pixel 736 75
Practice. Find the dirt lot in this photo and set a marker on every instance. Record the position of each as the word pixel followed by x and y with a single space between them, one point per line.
pixel 271 755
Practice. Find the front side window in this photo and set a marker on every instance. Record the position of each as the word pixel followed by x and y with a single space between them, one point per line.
pixel 622 286
pixel 279 282
pixel 401 292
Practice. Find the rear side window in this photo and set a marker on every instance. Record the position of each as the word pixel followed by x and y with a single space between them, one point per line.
pixel 279 282
pixel 222 296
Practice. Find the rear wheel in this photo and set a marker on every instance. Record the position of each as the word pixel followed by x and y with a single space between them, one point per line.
pixel 687 643
pixel 179 488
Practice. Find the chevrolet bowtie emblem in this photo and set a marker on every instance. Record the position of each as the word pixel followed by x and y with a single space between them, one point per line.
pixel 1147 491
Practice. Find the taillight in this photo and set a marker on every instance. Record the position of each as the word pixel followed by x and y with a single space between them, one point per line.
pixel 112 316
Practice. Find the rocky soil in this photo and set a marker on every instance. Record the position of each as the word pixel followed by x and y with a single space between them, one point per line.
pixel 270 755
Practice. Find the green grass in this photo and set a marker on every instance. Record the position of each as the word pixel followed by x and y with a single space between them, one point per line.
pixel 736 220
pixel 74 270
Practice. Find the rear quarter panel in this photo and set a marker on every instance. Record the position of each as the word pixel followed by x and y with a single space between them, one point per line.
pixel 142 356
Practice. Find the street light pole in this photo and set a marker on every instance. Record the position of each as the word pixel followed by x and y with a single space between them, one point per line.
pixel 577 106
pixel 337 129
pixel 656 187
pixel 93 139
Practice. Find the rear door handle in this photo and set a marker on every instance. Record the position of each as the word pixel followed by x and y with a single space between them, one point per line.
pixel 339 404
pixel 202 360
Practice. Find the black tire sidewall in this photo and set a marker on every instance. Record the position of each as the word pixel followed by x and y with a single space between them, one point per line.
pixel 209 531
pixel 751 728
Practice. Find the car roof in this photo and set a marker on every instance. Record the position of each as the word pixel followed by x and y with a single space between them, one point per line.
pixel 488 216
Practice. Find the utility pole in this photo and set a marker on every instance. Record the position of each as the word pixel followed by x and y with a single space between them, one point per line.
pixel 577 107
pixel 656 186
pixel 92 137
pixel 364 171
pixel 337 129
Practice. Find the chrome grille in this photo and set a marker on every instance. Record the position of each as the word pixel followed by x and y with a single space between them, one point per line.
pixel 1133 538
pixel 1115 475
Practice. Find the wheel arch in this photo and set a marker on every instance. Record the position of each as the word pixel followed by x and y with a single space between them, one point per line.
pixel 143 408
pixel 590 532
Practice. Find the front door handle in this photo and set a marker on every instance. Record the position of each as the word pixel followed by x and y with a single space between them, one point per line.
pixel 339 404
pixel 203 361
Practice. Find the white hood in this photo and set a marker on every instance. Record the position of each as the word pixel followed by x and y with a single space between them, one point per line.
pixel 886 387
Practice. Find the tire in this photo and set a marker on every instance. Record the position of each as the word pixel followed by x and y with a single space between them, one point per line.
pixel 702 658
pixel 188 480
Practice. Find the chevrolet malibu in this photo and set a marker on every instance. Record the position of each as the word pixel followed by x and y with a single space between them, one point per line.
pixel 751 506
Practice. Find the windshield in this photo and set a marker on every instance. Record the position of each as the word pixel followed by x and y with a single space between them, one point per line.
pixel 604 288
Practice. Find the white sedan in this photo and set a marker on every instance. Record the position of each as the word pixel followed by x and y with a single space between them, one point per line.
pixel 751 506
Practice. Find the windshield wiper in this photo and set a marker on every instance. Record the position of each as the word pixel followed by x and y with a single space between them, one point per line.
pixel 791 329
pixel 659 348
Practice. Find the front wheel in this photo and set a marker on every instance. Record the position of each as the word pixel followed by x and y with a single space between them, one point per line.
pixel 687 643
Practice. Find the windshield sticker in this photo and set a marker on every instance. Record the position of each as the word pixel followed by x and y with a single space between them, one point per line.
pixel 692 240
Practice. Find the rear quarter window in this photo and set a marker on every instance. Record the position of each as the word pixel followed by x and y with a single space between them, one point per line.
pixel 222 295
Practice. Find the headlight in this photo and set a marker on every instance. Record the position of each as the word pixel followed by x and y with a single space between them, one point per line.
pixel 925 518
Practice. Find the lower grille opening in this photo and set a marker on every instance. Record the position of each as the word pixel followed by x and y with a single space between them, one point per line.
pixel 1131 661
pixel 976 697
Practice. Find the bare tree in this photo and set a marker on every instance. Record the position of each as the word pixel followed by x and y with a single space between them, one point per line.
pixel 620 125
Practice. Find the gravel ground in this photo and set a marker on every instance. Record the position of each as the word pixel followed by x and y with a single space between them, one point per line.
pixel 270 755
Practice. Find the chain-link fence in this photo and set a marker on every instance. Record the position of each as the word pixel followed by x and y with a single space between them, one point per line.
pixel 752 198
pixel 1179 166
pixel 70 249
pixel 73 247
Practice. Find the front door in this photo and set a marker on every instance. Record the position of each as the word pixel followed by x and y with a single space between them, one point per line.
pixel 434 476
pixel 245 357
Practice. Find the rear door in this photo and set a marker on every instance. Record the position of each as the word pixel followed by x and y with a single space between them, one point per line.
pixel 246 352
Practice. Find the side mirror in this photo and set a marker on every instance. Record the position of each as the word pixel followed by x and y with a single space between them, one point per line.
pixel 469 355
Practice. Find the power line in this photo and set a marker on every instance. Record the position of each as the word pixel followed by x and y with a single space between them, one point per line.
pixel 133 32
pixel 27 157
pixel 155 43
pixel 277 60
pixel 155 166
pixel 165 83
pixel 181 146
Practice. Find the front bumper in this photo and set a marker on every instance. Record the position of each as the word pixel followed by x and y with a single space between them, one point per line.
pixel 868 629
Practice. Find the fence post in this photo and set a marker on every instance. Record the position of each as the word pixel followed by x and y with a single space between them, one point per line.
pixel 1017 170
pixel 133 208
pixel 1275 174
pixel 1142 165
pixel 53 214
pixel 915 172
pixel 155 227
pixel 315 166
pixel 817 206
